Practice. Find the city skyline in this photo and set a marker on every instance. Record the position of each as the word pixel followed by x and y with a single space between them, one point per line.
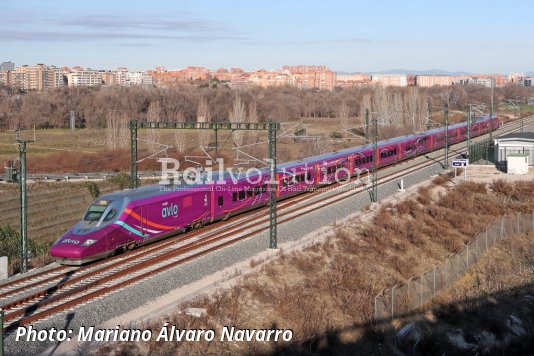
pixel 478 36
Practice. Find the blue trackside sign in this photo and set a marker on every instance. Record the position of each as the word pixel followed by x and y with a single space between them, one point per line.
pixel 460 163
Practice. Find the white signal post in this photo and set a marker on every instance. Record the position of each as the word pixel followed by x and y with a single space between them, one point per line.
pixel 457 163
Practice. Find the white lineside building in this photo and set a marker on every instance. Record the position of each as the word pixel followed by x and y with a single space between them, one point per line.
pixel 514 143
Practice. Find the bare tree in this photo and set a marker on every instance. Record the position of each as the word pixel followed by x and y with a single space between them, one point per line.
pixel 179 135
pixel 117 133
pixel 253 112
pixel 423 108
pixel 380 104
pixel 238 114
pixel 397 111
pixel 154 114
pixel 203 115
pixel 412 106
pixel 365 105
pixel 343 114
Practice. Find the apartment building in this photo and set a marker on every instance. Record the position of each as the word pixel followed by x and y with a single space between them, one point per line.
pixel 396 80
pixel 5 66
pixel 312 77
pixel 84 78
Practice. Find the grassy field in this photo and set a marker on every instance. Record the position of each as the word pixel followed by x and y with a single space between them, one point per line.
pixel 325 292
pixel 89 150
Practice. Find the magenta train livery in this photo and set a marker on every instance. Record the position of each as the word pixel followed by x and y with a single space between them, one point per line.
pixel 126 219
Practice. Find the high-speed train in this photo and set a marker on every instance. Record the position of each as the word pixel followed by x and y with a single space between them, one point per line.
pixel 133 217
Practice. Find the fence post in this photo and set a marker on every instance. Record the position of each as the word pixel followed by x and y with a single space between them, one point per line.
pixel 502 229
pixel 458 258
pixel 421 298
pixel 434 287
pixel 393 301
pixel 409 295
pixel 486 239
pixel 376 308
pixel 467 256
pixel 476 248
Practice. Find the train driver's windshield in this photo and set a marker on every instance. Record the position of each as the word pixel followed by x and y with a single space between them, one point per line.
pixel 95 211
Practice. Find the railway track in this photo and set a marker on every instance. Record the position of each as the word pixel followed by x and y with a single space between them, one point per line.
pixel 47 293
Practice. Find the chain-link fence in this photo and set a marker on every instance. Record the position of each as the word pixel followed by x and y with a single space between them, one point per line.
pixel 417 291
pixel 482 152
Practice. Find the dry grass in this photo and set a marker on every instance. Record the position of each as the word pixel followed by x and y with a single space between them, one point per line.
pixel 478 307
pixel 331 285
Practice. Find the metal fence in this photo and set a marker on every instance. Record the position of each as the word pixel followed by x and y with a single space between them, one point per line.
pixel 417 291
pixel 482 151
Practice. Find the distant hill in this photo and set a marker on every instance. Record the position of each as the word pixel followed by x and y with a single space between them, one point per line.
pixel 420 72
pixel 411 71
pixel 530 74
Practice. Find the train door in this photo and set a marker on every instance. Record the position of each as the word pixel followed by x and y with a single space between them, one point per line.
pixel 144 219
pixel 140 214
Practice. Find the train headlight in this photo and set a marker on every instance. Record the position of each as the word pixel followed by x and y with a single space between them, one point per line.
pixel 88 242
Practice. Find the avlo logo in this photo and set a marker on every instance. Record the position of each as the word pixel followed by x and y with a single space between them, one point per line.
pixel 169 210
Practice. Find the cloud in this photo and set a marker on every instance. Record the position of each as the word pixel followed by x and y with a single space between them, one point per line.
pixel 109 28
pixel 146 23
pixel 54 36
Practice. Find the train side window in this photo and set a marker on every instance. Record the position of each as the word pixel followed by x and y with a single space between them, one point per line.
pixel 309 176
pixel 220 201
pixel 241 194
pixel 250 192
pixel 110 215
pixel 234 196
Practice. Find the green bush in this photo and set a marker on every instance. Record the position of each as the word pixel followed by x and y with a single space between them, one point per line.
pixel 336 134
pixel 121 179
pixel 93 189
pixel 10 244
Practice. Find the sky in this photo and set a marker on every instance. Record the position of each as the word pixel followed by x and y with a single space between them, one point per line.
pixel 349 36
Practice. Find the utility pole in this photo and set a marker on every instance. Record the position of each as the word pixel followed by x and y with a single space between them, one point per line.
pixel 427 115
pixel 446 113
pixel 520 118
pixel 469 131
pixel 273 243
pixel 491 113
pixel 366 126
pixel 216 142
pixel 374 189
pixel 133 153
pixel 23 205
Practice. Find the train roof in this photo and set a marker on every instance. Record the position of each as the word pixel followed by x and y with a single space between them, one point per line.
pixel 157 189
pixel 330 155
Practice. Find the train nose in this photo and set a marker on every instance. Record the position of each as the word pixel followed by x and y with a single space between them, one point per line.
pixel 76 249
pixel 66 250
